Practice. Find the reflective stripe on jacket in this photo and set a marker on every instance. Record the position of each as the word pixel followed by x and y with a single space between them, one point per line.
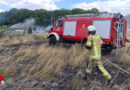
pixel 95 43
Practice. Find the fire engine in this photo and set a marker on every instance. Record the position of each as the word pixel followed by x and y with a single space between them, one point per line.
pixel 111 27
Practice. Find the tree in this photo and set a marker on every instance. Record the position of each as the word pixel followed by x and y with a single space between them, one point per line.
pixel 94 10
pixel 78 11
pixel 3 18
pixel 12 14
pixel 41 16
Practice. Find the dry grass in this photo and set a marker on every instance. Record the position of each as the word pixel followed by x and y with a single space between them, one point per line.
pixel 42 36
pixel 35 69
pixel 46 61
pixel 9 71
pixel 128 34
pixel 77 82
pixel 124 57
pixel 54 60
pixel 13 40
pixel 52 67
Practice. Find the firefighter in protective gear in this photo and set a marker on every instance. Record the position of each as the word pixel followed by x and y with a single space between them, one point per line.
pixel 94 44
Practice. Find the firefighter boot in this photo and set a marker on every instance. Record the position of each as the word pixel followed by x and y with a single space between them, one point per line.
pixel 86 76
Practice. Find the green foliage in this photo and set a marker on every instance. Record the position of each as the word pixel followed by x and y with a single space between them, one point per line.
pixel 94 10
pixel 41 16
pixel 3 18
pixel 3 29
pixel 78 11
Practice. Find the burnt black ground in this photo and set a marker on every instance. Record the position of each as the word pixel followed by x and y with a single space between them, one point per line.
pixel 67 80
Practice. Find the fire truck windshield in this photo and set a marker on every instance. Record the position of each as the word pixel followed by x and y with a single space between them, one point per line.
pixel 59 23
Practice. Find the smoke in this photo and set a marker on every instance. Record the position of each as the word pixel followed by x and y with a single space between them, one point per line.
pixel 46 29
pixel 31 23
pixel 28 23
pixel 42 29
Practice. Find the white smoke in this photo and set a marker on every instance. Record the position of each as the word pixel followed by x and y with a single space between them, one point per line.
pixel 47 28
pixel 42 29
pixel 24 25
pixel 31 23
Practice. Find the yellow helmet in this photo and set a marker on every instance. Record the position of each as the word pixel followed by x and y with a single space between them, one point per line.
pixel 91 28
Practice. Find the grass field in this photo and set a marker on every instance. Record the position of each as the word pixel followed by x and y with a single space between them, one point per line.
pixel 22 58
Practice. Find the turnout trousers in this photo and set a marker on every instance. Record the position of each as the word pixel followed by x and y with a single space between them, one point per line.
pixel 97 63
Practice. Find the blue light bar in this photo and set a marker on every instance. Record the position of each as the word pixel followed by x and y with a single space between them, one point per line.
pixel 121 16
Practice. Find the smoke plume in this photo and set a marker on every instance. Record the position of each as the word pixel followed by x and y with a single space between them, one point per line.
pixel 28 23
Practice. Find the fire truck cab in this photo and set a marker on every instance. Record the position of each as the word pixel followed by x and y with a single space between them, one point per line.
pixel 110 27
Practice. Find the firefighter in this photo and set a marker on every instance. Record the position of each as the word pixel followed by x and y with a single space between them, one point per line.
pixel 94 44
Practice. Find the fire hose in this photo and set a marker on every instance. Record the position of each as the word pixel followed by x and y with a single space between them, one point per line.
pixel 107 60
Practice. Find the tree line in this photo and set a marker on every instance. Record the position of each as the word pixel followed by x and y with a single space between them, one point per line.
pixel 42 17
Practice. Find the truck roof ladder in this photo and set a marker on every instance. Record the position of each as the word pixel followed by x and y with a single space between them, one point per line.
pixel 92 15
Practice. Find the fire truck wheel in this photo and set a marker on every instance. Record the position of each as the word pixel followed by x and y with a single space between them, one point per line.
pixel 52 40
pixel 106 51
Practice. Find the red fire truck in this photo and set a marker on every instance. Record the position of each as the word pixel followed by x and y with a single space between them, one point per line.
pixel 110 27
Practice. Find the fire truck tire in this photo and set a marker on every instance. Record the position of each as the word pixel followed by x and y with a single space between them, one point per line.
pixel 84 42
pixel 52 40
pixel 106 51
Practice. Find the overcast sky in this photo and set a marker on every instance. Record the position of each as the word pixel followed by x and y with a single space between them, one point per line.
pixel 122 6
